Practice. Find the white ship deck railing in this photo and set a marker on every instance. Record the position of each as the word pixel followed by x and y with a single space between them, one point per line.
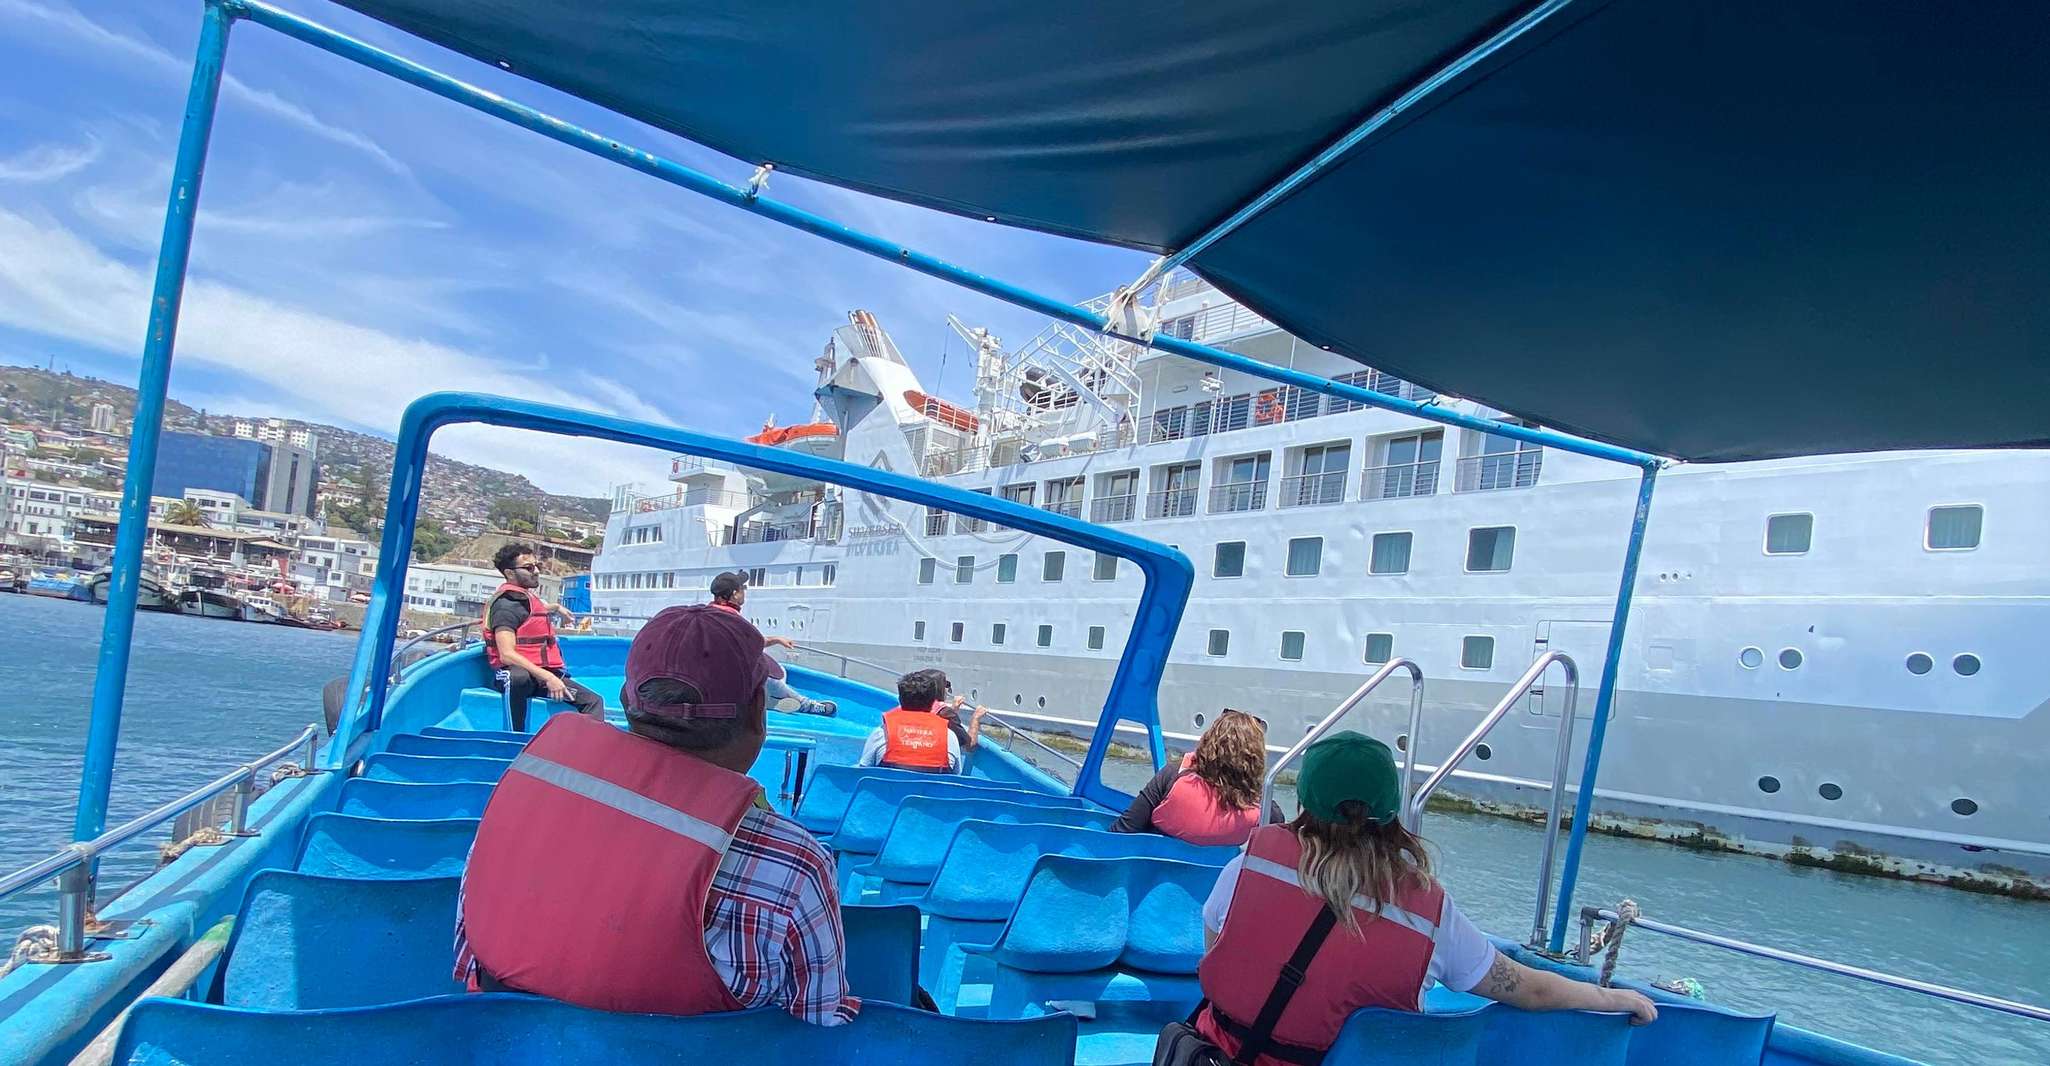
pixel 1238 496
pixel 1171 503
pixel 1501 470
pixel 1072 508
pixel 1109 509
pixel 1311 490
pixel 1399 480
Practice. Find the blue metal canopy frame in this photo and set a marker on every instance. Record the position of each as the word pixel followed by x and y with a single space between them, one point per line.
pixel 373 659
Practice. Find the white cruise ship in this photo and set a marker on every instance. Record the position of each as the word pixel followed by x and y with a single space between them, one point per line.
pixel 1828 659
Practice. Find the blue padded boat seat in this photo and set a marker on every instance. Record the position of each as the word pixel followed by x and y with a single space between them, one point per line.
pixel 882 952
pixel 403 799
pixel 506 1029
pixel 831 787
pixel 433 769
pixel 924 827
pixel 873 806
pixel 1101 929
pixel 1376 1037
pixel 980 879
pixel 302 942
pixel 347 845
pixel 1692 1034
pixel 1585 1038
pixel 476 734
pixel 420 744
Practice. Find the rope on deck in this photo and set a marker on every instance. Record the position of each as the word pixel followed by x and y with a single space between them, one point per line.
pixel 37 943
pixel 1626 912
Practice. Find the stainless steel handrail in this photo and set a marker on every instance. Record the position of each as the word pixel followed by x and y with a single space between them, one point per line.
pixel 1416 710
pixel 73 866
pixel 1589 915
pixel 398 657
pixel 1562 753
pixel 1032 740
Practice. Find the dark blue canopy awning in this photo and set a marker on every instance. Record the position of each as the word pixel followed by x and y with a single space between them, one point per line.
pixel 1727 231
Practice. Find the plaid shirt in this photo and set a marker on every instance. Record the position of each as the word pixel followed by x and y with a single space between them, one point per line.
pixel 772 923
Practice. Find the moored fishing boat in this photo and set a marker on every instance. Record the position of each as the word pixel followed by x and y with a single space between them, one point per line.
pixel 282 970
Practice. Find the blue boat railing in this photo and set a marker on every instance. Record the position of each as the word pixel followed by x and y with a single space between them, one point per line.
pixel 398 657
pixel 73 866
pixel 1587 948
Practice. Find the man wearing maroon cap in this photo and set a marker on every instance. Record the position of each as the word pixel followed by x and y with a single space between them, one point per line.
pixel 640 870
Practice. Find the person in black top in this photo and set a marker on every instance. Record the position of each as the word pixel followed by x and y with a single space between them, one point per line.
pixel 520 642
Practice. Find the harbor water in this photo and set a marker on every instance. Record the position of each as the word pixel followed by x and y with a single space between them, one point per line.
pixel 204 695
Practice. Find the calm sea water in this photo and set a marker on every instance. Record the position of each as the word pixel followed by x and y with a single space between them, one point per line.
pixel 206 694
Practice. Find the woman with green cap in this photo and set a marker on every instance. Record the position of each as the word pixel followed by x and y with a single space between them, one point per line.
pixel 1342 901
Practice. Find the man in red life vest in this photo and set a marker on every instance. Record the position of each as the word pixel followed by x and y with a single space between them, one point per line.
pixel 519 640
pixel 520 644
pixel 729 590
pixel 640 870
pixel 924 730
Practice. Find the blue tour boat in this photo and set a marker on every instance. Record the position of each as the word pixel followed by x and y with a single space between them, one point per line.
pixel 1653 226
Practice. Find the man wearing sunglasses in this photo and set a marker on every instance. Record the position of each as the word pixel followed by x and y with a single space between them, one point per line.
pixel 520 644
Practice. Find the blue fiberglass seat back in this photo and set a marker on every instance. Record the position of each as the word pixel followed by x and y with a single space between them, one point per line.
pixel 302 942
pixel 516 1030
pixel 1537 1038
pixel 831 786
pixel 404 799
pixel 346 845
pixel 1100 929
pixel 873 806
pixel 477 734
pixel 1688 1034
pixel 882 952
pixel 1376 1037
pixel 421 744
pixel 924 828
pixel 433 769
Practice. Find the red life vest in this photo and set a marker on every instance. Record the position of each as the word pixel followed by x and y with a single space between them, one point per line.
pixel 592 868
pixel 1191 812
pixel 535 638
pixel 1385 964
pixel 914 740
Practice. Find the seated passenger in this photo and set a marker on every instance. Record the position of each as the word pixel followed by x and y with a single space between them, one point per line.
pixel 1346 882
pixel 924 731
pixel 1211 796
pixel 639 869
pixel 729 590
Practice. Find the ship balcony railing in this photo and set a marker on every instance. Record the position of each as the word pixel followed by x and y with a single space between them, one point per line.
pixel 1110 509
pixel 1067 508
pixel 1498 470
pixel 1312 490
pixel 717 498
pixel 955 461
pixel 936 523
pixel 1398 480
pixel 1377 381
pixel 683 466
pixel 768 534
pixel 969 524
pixel 1171 503
pixel 1238 496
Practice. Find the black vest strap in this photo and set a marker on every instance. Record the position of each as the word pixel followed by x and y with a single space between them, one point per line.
pixel 1258 1038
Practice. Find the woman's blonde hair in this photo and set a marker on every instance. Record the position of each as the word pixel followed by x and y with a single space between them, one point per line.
pixel 1232 756
pixel 1356 857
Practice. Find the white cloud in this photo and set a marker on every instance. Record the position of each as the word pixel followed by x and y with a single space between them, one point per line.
pixel 48 162
pixel 135 212
pixel 55 284
pixel 78 27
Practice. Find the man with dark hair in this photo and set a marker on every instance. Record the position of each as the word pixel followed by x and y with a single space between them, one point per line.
pixel 520 644
pixel 729 590
pixel 641 870
pixel 924 730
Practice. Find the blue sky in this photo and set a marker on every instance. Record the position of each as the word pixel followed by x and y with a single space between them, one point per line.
pixel 361 242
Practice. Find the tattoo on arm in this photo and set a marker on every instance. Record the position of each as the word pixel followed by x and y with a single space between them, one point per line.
pixel 1504 979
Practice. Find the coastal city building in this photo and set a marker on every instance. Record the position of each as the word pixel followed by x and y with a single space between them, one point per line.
pixel 103 418
pixel 277 431
pixel 271 476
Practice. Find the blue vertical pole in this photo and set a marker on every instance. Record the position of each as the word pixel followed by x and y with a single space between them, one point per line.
pixel 1605 698
pixel 110 681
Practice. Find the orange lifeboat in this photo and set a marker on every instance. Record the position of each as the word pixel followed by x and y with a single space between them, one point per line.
pixel 941 411
pixel 780 436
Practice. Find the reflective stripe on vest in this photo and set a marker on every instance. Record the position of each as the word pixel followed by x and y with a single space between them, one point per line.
pixel 535 638
pixel 914 740
pixel 1384 963
pixel 593 867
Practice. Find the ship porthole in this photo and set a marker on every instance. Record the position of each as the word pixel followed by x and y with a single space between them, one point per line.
pixel 1790 658
pixel 1042 703
pixel 1482 751
pixel 1830 790
pixel 1964 807
pixel 1751 658
pixel 1920 663
pixel 1402 742
pixel 1199 719
pixel 1768 784
pixel 1966 665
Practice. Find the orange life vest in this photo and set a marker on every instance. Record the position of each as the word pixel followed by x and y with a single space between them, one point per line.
pixel 1385 964
pixel 1191 812
pixel 914 740
pixel 592 868
pixel 535 638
